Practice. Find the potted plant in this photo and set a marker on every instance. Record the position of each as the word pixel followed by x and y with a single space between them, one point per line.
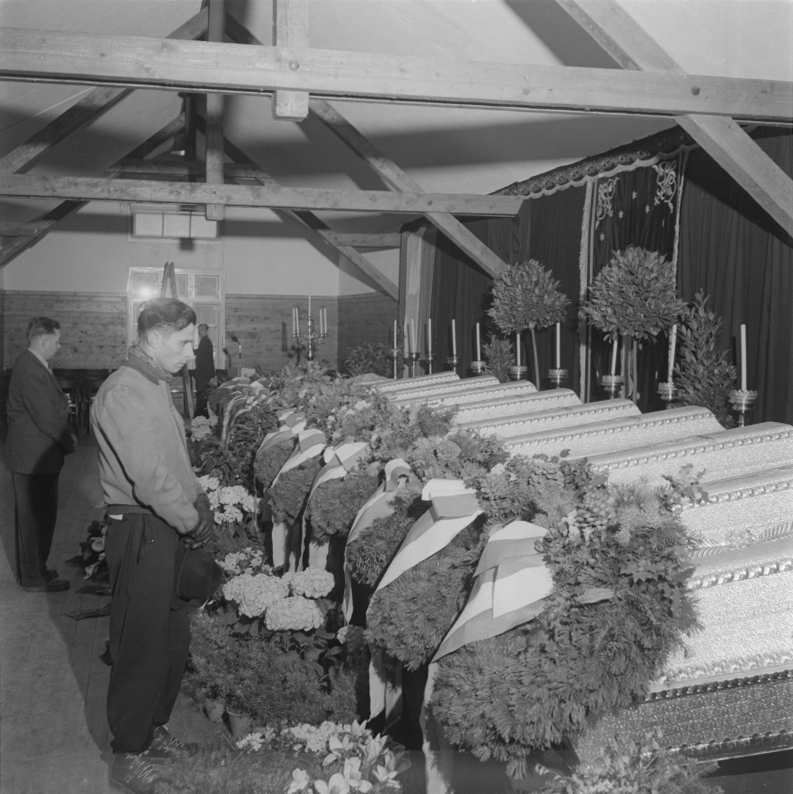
pixel 635 297
pixel 527 296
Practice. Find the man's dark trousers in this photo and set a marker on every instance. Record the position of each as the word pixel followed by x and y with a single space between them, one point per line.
pixel 149 640
pixel 36 501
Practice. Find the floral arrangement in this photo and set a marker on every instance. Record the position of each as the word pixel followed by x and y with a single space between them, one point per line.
pixel 703 375
pixel 629 765
pixel 269 462
pixel 409 618
pixel 369 358
pixel 499 355
pixel 247 560
pixel 535 685
pixel 232 504
pixel 333 506
pixel 526 295
pixel 92 553
pixel 202 426
pixel 288 495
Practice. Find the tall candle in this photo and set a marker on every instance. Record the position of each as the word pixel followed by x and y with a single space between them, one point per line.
pixel 309 307
pixel 743 357
pixel 614 357
pixel 395 334
pixel 294 322
pixel 454 339
pixel 478 348
pixel 558 345
pixel 325 319
pixel 406 338
pixel 429 335
pixel 517 345
pixel 413 335
pixel 672 344
pixel 297 320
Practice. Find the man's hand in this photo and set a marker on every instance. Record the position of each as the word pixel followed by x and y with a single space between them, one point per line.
pixel 204 530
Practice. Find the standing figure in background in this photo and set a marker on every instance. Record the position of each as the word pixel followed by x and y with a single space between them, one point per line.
pixel 156 510
pixel 39 435
pixel 204 369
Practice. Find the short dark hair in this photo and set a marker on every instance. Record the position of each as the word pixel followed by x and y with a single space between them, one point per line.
pixel 164 314
pixel 41 326
pixel 203 325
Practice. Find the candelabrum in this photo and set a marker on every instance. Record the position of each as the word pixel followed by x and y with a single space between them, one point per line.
pixel 518 372
pixel 478 367
pixel 453 362
pixel 557 376
pixel 743 400
pixel 612 384
pixel 312 338
pixel 667 392
pixel 411 359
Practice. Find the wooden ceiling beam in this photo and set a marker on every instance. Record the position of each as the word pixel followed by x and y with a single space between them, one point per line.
pixel 135 61
pixel 214 116
pixel 321 229
pixel 11 229
pixel 397 179
pixel 722 138
pixel 364 240
pixel 162 192
pixel 67 208
pixel 291 30
pixel 89 107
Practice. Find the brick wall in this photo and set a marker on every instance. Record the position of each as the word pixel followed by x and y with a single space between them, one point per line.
pixel 93 326
pixel 364 319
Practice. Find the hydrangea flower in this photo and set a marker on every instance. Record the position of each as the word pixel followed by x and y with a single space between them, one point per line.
pixel 254 593
pixel 294 613
pixel 311 583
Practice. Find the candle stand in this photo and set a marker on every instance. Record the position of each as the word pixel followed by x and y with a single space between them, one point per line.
pixel 312 339
pixel 395 354
pixel 518 373
pixel 453 362
pixel 557 376
pixel 413 359
pixel 478 367
pixel 612 384
pixel 667 392
pixel 430 361
pixel 743 400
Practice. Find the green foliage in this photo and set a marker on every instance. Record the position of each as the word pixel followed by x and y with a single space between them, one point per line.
pixel 461 455
pixel 703 375
pixel 288 495
pixel 409 618
pixel 499 356
pixel 634 295
pixel 369 358
pixel 244 437
pixel 526 295
pixel 257 675
pixel 269 462
pixel 535 685
pixel 636 765
pixel 371 552
pixel 334 505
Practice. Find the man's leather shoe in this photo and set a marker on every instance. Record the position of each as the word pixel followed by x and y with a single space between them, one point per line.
pixel 166 747
pixel 133 773
pixel 53 586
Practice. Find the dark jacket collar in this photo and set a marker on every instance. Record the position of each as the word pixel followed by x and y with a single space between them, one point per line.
pixel 138 360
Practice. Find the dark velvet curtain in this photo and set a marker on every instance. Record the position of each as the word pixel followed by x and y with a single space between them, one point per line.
pixel 637 207
pixel 735 252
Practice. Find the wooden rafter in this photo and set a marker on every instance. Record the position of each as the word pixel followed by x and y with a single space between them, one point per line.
pixel 397 179
pixel 318 226
pixel 214 116
pixel 79 58
pixel 365 240
pixel 89 107
pixel 291 30
pixel 634 49
pixel 161 192
pixel 67 208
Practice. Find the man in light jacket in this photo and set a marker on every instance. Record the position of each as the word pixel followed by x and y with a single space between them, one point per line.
pixel 39 436
pixel 155 505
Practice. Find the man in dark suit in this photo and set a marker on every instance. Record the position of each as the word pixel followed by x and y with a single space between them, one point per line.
pixel 204 369
pixel 39 436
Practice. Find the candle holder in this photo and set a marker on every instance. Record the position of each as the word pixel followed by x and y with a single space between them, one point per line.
pixel 743 400
pixel 667 392
pixel 478 367
pixel 395 354
pixel 518 373
pixel 453 362
pixel 312 339
pixel 557 376
pixel 612 384
pixel 413 359
pixel 430 361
